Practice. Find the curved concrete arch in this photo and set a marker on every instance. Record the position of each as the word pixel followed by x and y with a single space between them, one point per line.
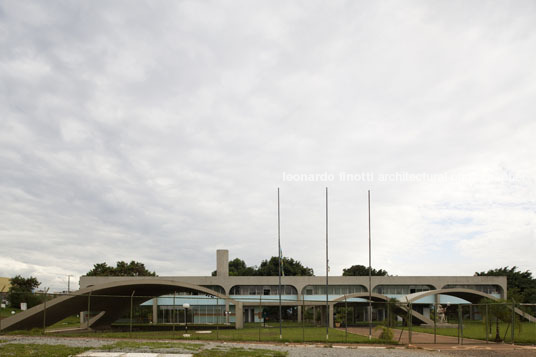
pixel 501 288
pixel 463 293
pixel 361 295
pixel 466 294
pixel 112 298
pixel 380 297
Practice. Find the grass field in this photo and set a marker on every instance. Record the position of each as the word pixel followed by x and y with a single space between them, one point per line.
pixel 6 312
pixel 69 322
pixel 476 330
pixel 39 350
pixel 289 334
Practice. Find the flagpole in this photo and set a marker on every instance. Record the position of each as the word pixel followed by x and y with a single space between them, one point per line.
pixel 279 254
pixel 370 271
pixel 327 270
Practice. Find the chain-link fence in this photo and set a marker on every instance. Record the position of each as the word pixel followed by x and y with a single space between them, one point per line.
pixel 257 318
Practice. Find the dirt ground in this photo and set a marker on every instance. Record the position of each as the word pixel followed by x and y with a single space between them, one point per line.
pixel 448 345
pixel 416 337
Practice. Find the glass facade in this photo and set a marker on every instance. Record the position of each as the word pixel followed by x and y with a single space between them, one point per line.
pixel 333 289
pixel 263 290
pixel 488 289
pixel 401 289
pixel 216 288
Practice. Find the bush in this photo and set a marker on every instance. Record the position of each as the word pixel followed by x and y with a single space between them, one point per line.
pixel 386 333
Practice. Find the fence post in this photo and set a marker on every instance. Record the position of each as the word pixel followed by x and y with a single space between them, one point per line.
pixel 435 322
pixel 513 320
pixel 388 309
pixel 88 308
pixel 45 312
pixel 131 311
pixel 488 325
pixel 345 319
pixel 260 310
pixel 459 321
pixel 410 322
pixel 303 318
pixel 174 313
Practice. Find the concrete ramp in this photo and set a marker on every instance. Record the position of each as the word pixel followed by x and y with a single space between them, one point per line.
pixel 107 302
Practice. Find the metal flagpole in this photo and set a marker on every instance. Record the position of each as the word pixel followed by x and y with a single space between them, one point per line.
pixel 369 272
pixel 279 254
pixel 327 270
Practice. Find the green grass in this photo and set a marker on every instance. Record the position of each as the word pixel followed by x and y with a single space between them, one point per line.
pixel 6 312
pixel 290 334
pixel 69 322
pixel 39 350
pixel 475 330
pixel 32 332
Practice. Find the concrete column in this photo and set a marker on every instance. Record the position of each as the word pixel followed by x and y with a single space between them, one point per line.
pixel 83 323
pixel 239 316
pixel 222 261
pixel 155 310
pixel 228 310
pixel 330 314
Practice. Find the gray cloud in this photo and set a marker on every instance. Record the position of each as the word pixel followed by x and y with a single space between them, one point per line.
pixel 159 132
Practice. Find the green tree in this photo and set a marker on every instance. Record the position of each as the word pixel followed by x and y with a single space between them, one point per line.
pixel 21 290
pixel 121 269
pixel 238 267
pixel 361 270
pixel 521 285
pixel 290 267
pixel 268 267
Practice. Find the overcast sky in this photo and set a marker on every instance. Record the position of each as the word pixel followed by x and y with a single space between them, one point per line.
pixel 159 131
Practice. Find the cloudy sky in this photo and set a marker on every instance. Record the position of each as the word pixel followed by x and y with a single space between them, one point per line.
pixel 159 131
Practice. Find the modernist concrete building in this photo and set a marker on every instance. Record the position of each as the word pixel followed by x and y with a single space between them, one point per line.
pixel 238 299
pixel 309 293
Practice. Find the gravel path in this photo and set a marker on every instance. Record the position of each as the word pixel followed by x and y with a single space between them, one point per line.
pixel 299 350
pixel 45 340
